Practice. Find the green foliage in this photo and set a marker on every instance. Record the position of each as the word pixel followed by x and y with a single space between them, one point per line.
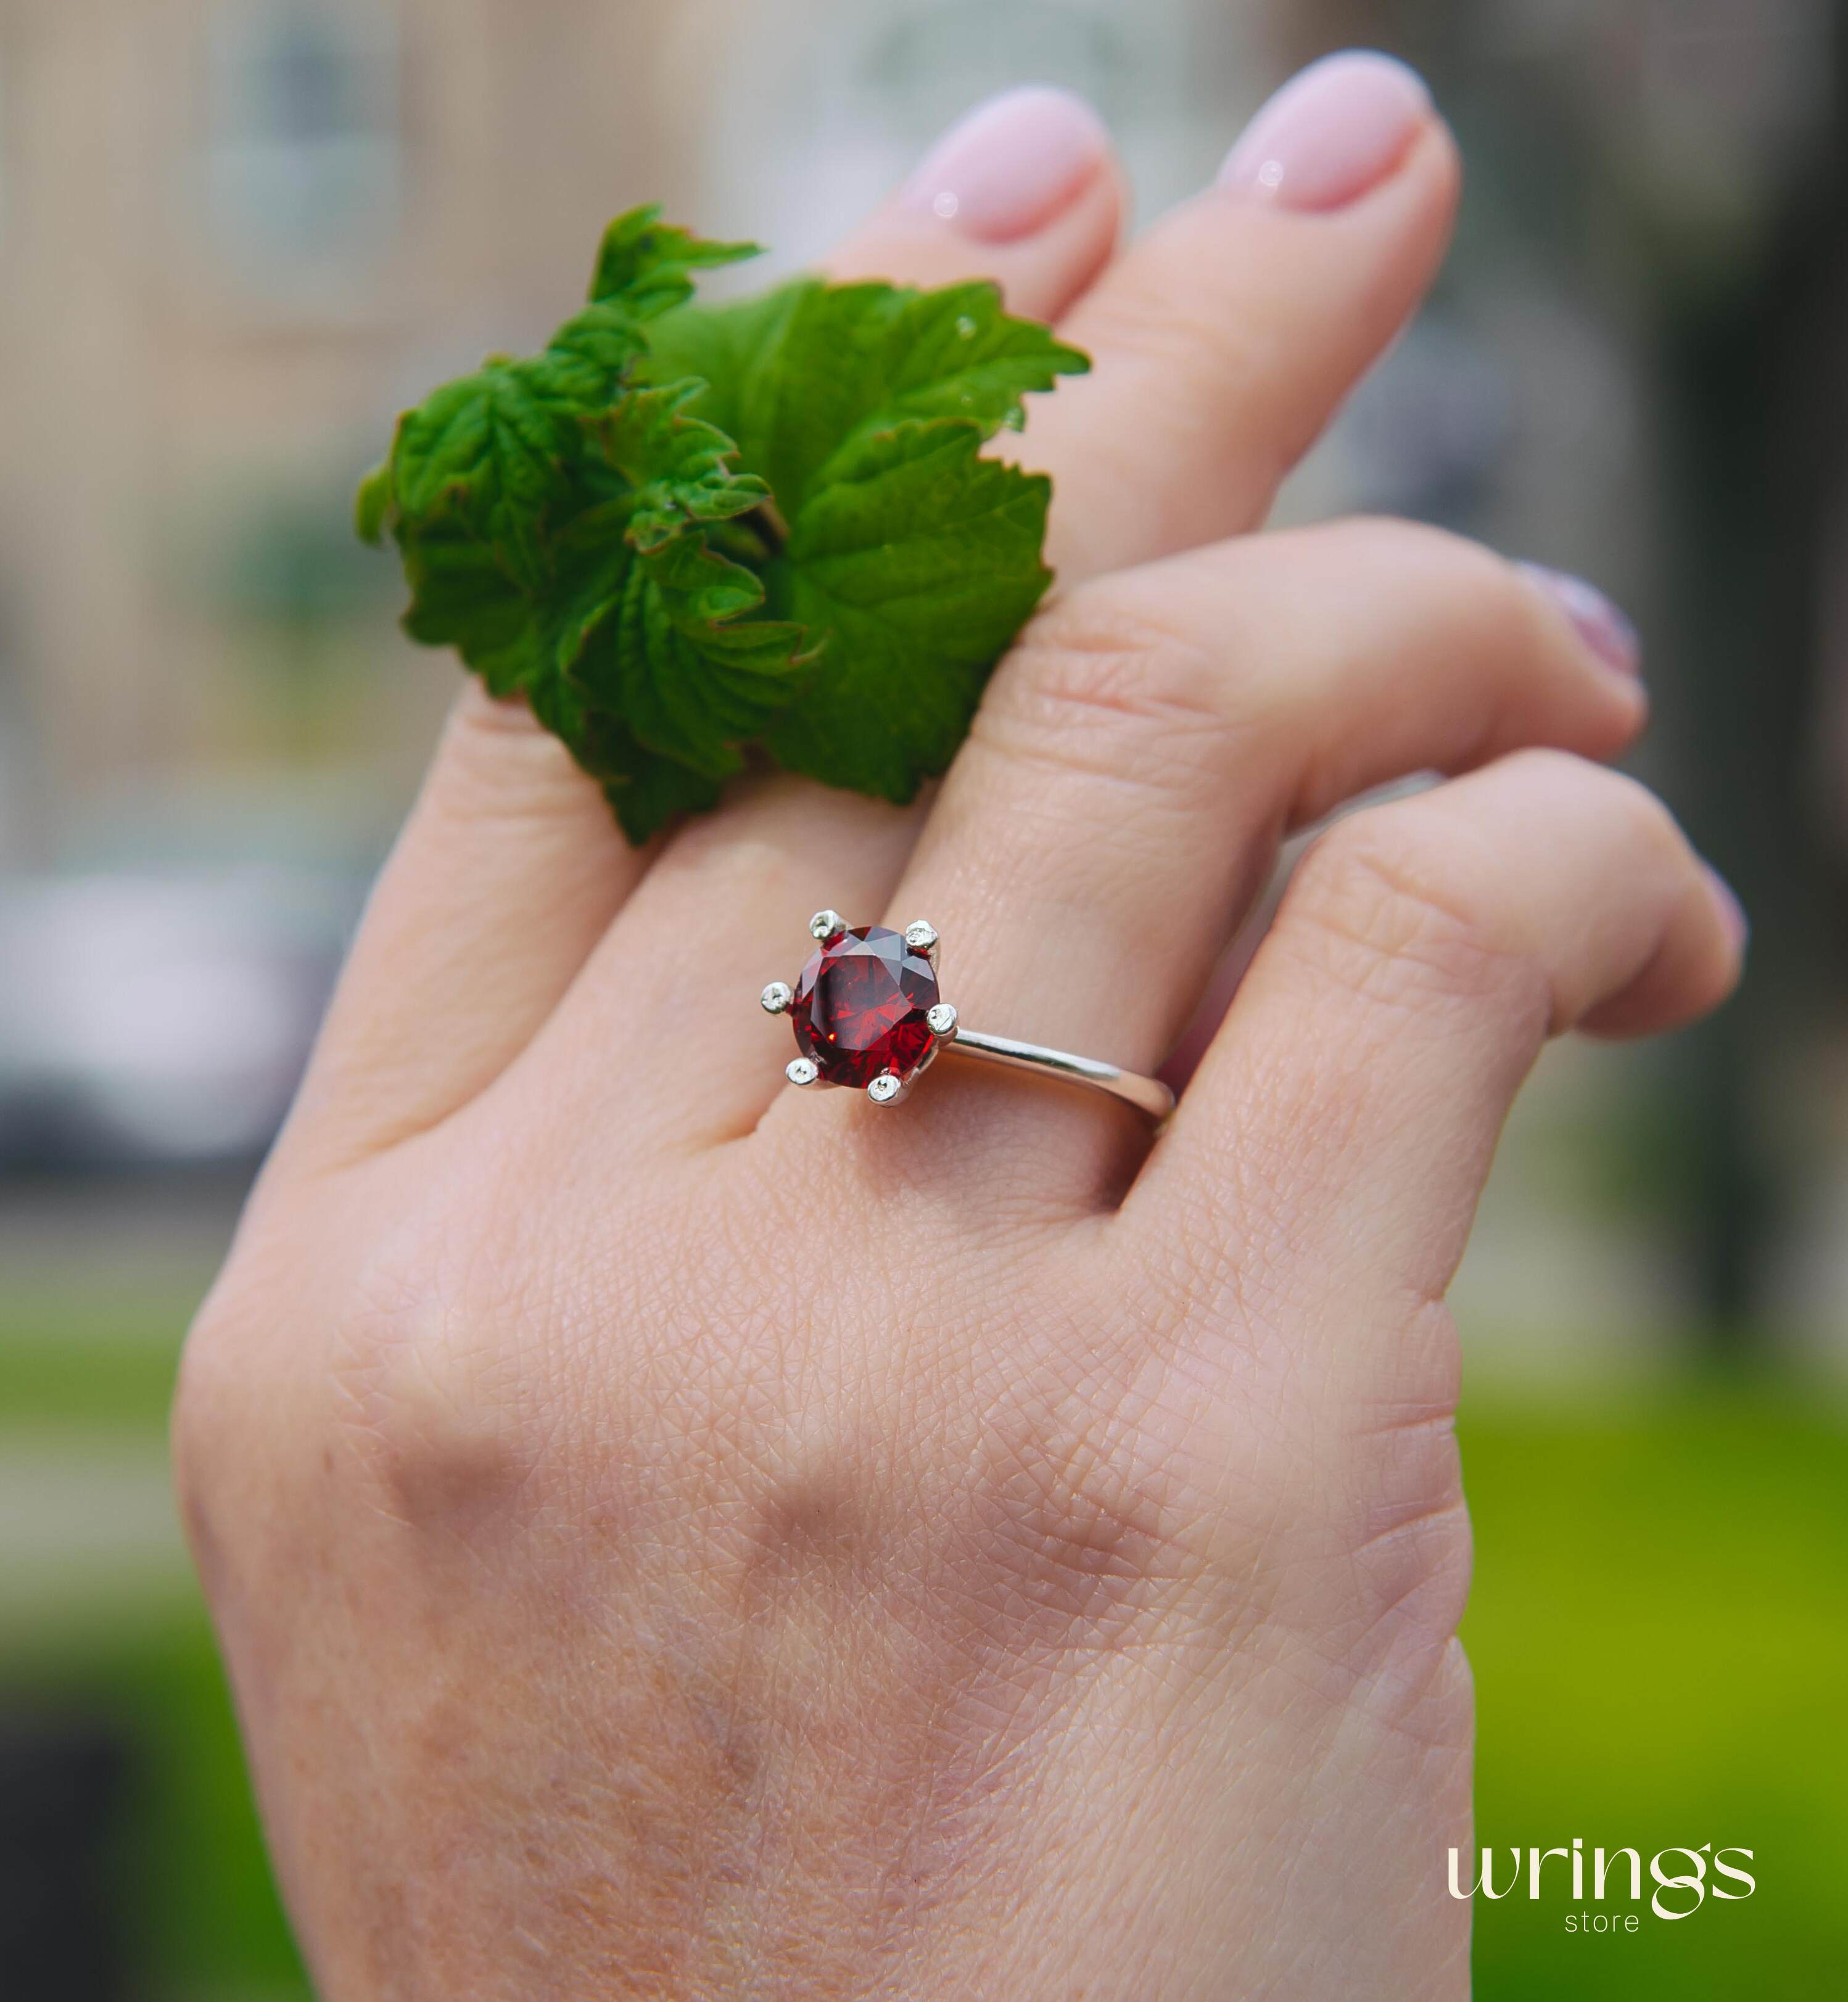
pixel 683 531
pixel 923 560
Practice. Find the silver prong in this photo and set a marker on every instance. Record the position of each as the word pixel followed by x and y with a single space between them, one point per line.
pixel 778 997
pixel 943 1021
pixel 825 925
pixel 804 1072
pixel 886 1090
pixel 922 937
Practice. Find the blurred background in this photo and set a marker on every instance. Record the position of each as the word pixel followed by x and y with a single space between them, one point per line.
pixel 236 235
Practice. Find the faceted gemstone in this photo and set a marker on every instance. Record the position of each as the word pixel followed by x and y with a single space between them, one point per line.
pixel 860 1007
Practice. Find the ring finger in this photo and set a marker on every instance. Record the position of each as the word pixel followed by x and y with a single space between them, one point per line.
pixel 1156 735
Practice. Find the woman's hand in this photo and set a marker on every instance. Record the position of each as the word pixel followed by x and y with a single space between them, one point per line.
pixel 673 1536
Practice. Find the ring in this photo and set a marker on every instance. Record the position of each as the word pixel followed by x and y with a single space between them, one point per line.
pixel 870 1016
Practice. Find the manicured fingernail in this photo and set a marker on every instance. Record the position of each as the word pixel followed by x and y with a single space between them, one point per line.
pixel 1011 166
pixel 1605 630
pixel 1331 134
pixel 1731 910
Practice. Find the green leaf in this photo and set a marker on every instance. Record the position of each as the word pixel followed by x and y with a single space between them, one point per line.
pixel 372 511
pixel 682 532
pixel 646 792
pixel 912 561
pixel 691 686
pixel 678 470
pixel 692 673
pixel 797 376
pixel 461 597
pixel 494 455
pixel 648 265
pixel 921 560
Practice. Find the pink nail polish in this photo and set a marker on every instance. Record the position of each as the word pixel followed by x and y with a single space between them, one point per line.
pixel 1331 134
pixel 1011 166
pixel 1605 630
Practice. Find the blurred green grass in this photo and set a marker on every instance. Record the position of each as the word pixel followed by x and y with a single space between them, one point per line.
pixel 1658 1630
pixel 95 1360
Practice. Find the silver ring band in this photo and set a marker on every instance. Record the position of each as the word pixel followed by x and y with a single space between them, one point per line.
pixel 868 1014
pixel 1146 1094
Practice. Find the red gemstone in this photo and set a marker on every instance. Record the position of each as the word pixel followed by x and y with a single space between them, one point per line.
pixel 861 1005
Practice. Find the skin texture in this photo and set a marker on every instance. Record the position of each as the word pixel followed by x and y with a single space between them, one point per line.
pixel 673 1536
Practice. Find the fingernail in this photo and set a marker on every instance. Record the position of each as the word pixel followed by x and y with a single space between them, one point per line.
pixel 1606 630
pixel 1731 910
pixel 1331 133
pixel 1011 166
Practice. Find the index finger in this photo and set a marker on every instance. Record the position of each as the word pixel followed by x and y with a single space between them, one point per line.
pixel 1026 190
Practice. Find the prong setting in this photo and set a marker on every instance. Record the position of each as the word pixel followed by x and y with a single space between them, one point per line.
pixel 779 998
pixel 943 1019
pixel 886 1090
pixel 922 937
pixel 803 1072
pixel 826 924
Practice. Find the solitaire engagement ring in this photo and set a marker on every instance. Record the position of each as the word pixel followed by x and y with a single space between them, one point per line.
pixel 870 1016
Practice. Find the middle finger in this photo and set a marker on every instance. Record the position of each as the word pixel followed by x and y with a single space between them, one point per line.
pixel 1225 339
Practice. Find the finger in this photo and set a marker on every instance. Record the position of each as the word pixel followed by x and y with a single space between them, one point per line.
pixel 1026 190
pixel 510 869
pixel 677 1018
pixel 1157 734
pixel 1426 951
pixel 1224 339
pixel 506 875
pixel 1610 637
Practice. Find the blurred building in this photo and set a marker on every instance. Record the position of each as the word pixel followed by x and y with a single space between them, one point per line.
pixel 235 235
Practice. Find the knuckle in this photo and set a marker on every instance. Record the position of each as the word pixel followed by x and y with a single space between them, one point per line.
pixel 1397 917
pixel 1623 810
pixel 496 760
pixel 1478 577
pixel 440 1415
pixel 1407 1525
pixel 234 1437
pixel 206 1430
pixel 1411 1571
pixel 1482 596
pixel 1497 611
pixel 1103 682
pixel 1646 819
pixel 420 1405
pixel 1168 321
pixel 1395 543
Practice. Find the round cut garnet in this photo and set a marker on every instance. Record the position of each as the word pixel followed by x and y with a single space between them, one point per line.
pixel 861 1005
